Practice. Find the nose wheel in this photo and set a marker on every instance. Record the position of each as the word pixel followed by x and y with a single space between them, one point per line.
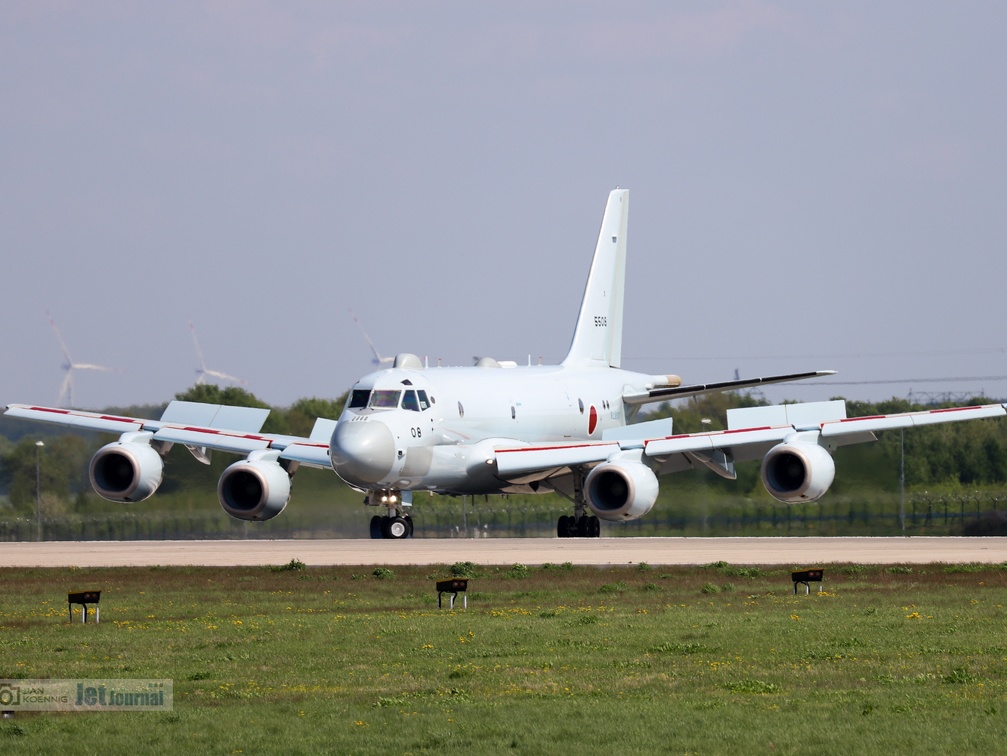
pixel 392 526
pixel 396 524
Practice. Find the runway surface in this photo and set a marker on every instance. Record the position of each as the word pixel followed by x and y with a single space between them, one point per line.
pixel 531 551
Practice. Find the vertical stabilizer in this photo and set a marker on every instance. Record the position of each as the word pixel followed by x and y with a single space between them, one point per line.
pixel 597 339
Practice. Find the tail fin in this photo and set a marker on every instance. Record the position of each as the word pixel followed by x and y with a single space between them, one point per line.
pixel 597 339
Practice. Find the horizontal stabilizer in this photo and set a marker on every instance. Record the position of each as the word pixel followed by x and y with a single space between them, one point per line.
pixel 801 416
pixel 322 430
pixel 244 419
pixel 639 431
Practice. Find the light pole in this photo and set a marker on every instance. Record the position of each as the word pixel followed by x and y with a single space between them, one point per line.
pixel 38 491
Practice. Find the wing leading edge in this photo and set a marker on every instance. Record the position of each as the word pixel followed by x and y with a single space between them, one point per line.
pixel 744 443
pixel 198 427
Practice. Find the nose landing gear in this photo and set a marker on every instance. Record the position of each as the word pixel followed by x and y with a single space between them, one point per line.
pixel 396 524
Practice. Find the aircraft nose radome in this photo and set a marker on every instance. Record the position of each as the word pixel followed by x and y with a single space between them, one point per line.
pixel 362 453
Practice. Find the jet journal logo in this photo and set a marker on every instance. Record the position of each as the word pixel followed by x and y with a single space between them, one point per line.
pixel 86 695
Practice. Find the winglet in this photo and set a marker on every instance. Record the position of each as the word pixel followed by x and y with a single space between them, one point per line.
pixel 597 339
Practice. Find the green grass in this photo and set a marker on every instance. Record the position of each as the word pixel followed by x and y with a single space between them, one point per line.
pixel 548 659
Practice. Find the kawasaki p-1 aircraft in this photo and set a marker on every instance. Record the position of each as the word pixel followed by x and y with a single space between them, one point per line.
pixel 499 428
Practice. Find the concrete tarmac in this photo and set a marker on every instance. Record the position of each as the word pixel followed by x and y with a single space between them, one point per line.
pixel 793 552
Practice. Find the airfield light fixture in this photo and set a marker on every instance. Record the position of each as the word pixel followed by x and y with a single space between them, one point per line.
pixel 38 491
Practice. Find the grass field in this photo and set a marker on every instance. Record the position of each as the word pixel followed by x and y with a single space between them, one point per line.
pixel 551 659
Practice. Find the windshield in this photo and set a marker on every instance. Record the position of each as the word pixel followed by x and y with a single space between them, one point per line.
pixel 416 401
pixel 359 397
pixel 385 399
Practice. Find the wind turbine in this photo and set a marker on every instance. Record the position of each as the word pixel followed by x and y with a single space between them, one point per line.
pixel 378 359
pixel 65 398
pixel 203 371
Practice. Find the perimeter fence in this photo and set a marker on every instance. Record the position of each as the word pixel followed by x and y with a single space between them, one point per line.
pixel 980 513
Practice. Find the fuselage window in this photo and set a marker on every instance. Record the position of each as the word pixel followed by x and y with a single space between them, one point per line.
pixel 358 400
pixel 409 401
pixel 385 399
pixel 513 413
pixel 424 402
pixel 461 410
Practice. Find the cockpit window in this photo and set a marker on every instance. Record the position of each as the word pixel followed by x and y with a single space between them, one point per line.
pixel 409 401
pixel 385 399
pixel 359 397
pixel 424 403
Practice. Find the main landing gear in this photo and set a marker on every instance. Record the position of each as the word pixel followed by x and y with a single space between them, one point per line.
pixel 396 524
pixel 581 524
pixel 585 526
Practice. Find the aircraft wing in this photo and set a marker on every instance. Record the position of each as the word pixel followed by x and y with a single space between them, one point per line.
pixel 680 392
pixel 199 427
pixel 751 433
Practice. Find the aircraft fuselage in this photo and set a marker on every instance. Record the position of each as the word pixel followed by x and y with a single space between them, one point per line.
pixel 439 426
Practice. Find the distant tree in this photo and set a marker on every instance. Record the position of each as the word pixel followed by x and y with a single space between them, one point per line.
pixel 209 393
pixel 302 414
pixel 234 396
pixel 62 466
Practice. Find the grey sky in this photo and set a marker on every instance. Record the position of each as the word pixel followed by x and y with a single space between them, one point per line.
pixel 812 186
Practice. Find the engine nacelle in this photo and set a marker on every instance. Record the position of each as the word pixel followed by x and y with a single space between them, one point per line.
pixel 127 470
pixel 256 488
pixel 794 472
pixel 620 491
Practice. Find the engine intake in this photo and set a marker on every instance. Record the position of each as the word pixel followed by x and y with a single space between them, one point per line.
pixel 256 488
pixel 620 491
pixel 794 472
pixel 127 470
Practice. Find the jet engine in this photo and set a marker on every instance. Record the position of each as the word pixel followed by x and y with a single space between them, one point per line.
pixel 619 491
pixel 127 470
pixel 794 472
pixel 256 488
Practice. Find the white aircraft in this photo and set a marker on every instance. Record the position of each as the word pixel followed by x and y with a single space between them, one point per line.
pixel 491 429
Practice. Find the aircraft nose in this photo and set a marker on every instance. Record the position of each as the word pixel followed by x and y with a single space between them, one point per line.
pixel 362 453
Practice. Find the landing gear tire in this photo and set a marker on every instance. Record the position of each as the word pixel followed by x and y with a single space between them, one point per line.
pixel 585 526
pixel 568 527
pixel 409 524
pixel 396 527
pixel 377 527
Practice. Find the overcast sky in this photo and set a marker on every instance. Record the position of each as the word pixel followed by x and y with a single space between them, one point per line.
pixel 813 186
